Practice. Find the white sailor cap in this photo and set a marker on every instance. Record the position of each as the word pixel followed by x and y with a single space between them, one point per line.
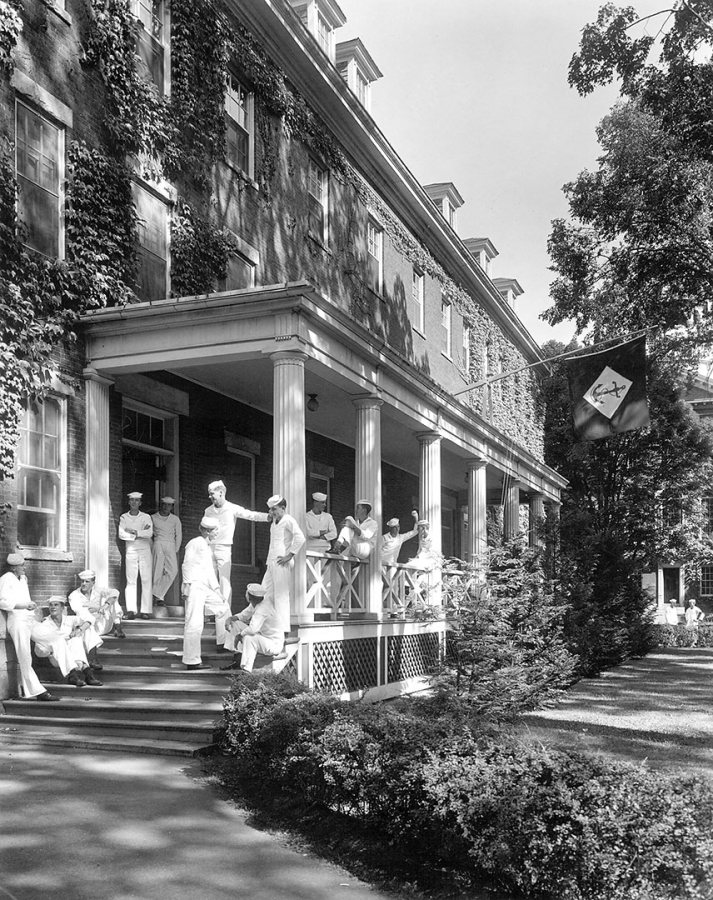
pixel 209 522
pixel 15 559
pixel 55 598
pixel 87 573
pixel 216 486
pixel 167 500
pixel 423 522
pixel 276 500
pixel 364 503
pixel 257 590
pixel 392 522
pixel 319 497
pixel 135 495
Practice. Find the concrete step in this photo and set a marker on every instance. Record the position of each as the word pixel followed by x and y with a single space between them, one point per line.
pixel 157 655
pixel 186 732
pixel 38 736
pixel 126 688
pixel 98 706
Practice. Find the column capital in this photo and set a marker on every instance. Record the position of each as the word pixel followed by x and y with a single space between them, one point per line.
pixel 367 401
pixel 89 373
pixel 289 356
pixel 429 437
pixel 477 462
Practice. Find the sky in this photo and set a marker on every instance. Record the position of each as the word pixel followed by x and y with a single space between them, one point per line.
pixel 475 92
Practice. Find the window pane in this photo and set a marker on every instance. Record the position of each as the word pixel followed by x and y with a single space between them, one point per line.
pixel 707 581
pixel 237 145
pixel 240 274
pixel 39 475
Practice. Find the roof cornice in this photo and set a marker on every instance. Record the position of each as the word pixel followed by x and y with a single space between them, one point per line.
pixel 281 32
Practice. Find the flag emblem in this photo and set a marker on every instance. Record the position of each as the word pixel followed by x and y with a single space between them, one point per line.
pixel 608 392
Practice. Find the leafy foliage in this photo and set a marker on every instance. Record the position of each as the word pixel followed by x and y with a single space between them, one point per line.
pixel 10 27
pixel 201 252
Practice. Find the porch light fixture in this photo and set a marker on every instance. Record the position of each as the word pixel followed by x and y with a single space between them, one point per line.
pixel 312 403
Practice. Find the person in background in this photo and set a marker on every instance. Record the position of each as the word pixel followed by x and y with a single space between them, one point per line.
pixel 167 540
pixel 258 629
pixel 694 615
pixel 286 538
pixel 99 607
pixel 356 540
pixel 236 625
pixel 392 540
pixel 670 614
pixel 61 638
pixel 136 530
pixel 15 600
pixel 320 529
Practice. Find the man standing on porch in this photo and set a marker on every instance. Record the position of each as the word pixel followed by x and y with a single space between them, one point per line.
pixel 286 538
pixel 226 515
pixel 320 527
pixel 136 530
pixel 167 539
pixel 392 540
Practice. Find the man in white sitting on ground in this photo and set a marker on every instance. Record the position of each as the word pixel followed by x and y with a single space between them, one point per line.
pixel 320 529
pixel 226 515
pixel 136 530
pixel 60 638
pixel 167 540
pixel 98 606
pixel 201 590
pixel 286 539
pixel 21 612
pixel 256 629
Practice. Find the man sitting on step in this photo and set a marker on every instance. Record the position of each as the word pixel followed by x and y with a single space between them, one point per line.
pixel 201 590
pixel 257 629
pixel 100 607
pixel 61 638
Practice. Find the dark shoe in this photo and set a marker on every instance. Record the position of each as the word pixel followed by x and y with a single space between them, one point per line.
pixel 91 679
pixel 96 666
pixel 235 664
pixel 94 660
pixel 144 616
pixel 193 666
pixel 46 697
pixel 118 631
pixel 222 650
pixel 76 678
pixel 158 602
pixel 130 615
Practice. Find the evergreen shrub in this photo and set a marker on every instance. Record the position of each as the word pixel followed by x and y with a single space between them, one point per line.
pixel 680 636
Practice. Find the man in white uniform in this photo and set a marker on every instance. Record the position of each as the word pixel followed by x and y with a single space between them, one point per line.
pixel 99 607
pixel 201 590
pixel 319 527
pixel 167 539
pixel 61 638
pixel 357 538
pixel 286 538
pixel 226 514
pixel 15 600
pixel 392 540
pixel 257 629
pixel 236 625
pixel 136 530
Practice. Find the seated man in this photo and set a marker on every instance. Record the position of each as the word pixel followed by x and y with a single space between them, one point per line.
pixel 61 638
pixel 100 607
pixel 257 629
pixel 201 590
pixel 356 541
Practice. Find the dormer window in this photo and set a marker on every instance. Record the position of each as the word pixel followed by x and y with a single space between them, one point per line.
pixel 446 199
pixel 357 68
pixel 483 251
pixel 321 18
pixel 324 35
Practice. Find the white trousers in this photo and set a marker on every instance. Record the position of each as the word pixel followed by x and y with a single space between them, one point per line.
pixel 200 600
pixel 138 562
pixel 91 639
pixel 277 588
pixel 108 616
pixel 256 643
pixel 19 624
pixel 165 567
pixel 223 556
pixel 65 654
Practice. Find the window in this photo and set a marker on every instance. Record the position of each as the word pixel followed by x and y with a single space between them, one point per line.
pixel 239 130
pixel 446 322
pixel 153 244
pixel 418 299
pixel 706 581
pixel 39 158
pixel 317 199
pixel 324 34
pixel 151 40
pixel 240 273
pixel 240 475
pixel 375 250
pixel 707 515
pixel 41 475
pixel 466 348
pixel 449 211
pixel 362 89
pixel 142 428
pixel 672 513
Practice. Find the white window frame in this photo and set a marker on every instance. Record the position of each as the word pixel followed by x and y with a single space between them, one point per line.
pixel 160 19
pixel 375 249
pixel 158 197
pixel 251 504
pixel 61 542
pixel 447 325
pixel 466 347
pixel 232 105
pixel 706 582
pixel 60 129
pixel 324 34
pixel 707 511
pixel 418 297
pixel 318 190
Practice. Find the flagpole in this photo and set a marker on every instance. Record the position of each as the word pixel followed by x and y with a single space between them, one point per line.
pixel 541 362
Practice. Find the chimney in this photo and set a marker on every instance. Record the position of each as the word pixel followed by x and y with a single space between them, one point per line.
pixel 358 69
pixel 482 250
pixel 446 198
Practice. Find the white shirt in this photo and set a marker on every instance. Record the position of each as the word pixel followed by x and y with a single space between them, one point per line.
pixel 361 545
pixel 264 621
pixel 285 537
pixel 48 630
pixel 693 614
pixel 198 566
pixel 314 525
pixel 87 607
pixel 227 515
pixel 12 591
pixel 391 546
pixel 167 530
pixel 141 523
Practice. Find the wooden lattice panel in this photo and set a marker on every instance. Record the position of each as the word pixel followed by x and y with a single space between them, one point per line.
pixel 411 656
pixel 340 666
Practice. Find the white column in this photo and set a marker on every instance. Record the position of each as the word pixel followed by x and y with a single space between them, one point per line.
pixel 97 476
pixel 289 476
pixel 367 486
pixel 537 515
pixel 477 510
pixel 430 484
pixel 511 523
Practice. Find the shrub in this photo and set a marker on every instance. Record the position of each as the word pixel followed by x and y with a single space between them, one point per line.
pixel 679 636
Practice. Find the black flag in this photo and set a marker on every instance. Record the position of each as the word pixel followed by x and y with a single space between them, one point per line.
pixel 608 390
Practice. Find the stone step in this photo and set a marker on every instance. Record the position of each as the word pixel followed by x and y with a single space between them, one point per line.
pixel 199 711
pixel 158 655
pixel 186 732
pixel 33 736
pixel 171 677
pixel 126 688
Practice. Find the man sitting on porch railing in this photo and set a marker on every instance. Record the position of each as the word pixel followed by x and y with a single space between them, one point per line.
pixel 320 528
pixel 256 629
pixel 392 540
pixel 356 540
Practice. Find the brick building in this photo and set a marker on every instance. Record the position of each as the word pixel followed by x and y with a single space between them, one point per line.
pixel 324 350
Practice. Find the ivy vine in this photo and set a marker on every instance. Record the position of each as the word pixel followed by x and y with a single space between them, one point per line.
pixel 200 251
pixel 10 27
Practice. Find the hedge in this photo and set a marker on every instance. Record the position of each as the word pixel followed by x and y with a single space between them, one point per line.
pixel 680 636
pixel 433 781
